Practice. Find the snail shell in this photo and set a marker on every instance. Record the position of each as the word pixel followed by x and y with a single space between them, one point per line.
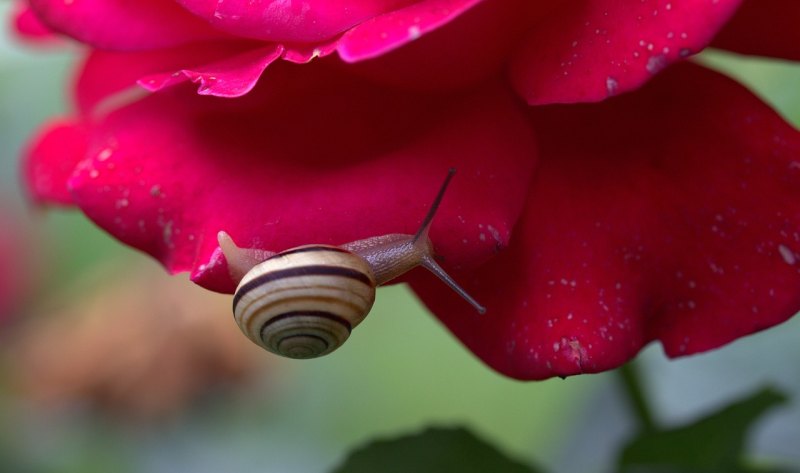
pixel 303 302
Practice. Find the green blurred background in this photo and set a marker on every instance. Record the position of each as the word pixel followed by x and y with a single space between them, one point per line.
pixel 403 371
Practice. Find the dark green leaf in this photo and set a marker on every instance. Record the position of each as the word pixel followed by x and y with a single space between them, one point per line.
pixel 714 444
pixel 434 450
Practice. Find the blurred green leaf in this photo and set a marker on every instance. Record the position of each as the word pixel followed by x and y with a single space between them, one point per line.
pixel 714 444
pixel 10 462
pixel 433 450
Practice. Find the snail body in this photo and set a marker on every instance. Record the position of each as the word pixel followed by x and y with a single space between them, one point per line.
pixel 305 301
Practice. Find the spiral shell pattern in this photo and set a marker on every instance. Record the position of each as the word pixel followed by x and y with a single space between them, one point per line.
pixel 304 302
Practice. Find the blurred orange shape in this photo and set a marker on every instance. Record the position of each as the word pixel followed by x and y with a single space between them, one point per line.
pixel 140 345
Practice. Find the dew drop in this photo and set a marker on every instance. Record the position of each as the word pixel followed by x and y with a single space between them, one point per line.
pixel 656 63
pixel 787 255
pixel 612 86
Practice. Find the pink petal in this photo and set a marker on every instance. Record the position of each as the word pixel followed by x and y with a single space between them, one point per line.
pixel 312 155
pixel 671 214
pixel 471 43
pixel 765 28
pixel 302 22
pixel 233 76
pixel 53 155
pixel 305 53
pixel 588 51
pixel 123 24
pixel 466 51
pixel 104 74
pixel 394 28
pixel 27 24
pixel 224 67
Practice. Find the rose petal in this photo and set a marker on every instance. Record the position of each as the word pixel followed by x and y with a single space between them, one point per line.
pixel 122 24
pixel 764 28
pixel 591 50
pixel 440 52
pixel 671 214
pixel 233 64
pixel 302 22
pixel 335 159
pixel 28 25
pixel 222 68
pixel 53 155
pixel 233 76
pixel 299 53
pixel 463 52
pixel 467 51
pixel 394 28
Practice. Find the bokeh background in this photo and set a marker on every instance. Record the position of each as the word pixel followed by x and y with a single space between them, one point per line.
pixel 400 372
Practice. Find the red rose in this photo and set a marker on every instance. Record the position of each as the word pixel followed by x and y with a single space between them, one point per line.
pixel 659 205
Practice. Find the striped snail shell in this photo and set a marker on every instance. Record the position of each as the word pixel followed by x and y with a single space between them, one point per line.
pixel 305 301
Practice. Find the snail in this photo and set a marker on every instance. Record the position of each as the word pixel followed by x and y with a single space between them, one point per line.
pixel 305 301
